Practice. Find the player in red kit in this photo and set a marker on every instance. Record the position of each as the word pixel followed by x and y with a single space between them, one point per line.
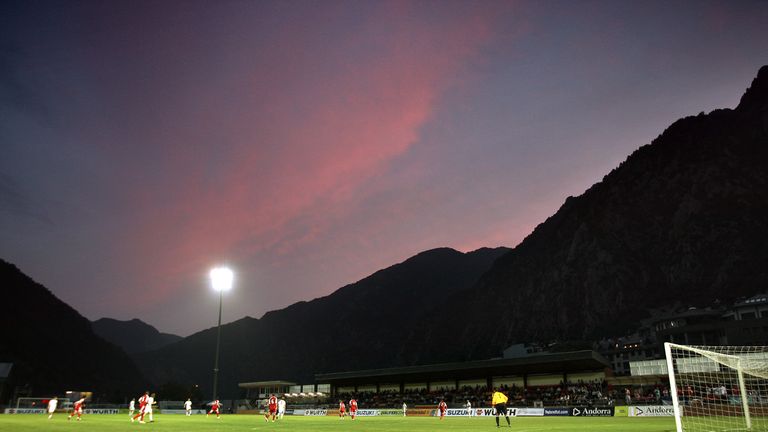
pixel 353 408
pixel 77 409
pixel 342 410
pixel 442 407
pixel 215 408
pixel 142 407
pixel 272 407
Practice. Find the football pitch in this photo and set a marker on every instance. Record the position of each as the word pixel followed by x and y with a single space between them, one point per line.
pixel 244 423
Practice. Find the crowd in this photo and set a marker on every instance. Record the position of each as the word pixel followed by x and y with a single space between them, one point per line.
pixel 580 393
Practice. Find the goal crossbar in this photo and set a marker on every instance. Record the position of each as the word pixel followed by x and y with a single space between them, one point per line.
pixel 700 374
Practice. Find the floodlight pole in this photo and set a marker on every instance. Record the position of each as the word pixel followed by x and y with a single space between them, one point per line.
pixel 218 344
pixel 221 279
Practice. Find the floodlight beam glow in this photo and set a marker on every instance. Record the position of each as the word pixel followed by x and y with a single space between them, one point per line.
pixel 221 278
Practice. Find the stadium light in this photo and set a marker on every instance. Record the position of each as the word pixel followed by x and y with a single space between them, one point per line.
pixel 221 280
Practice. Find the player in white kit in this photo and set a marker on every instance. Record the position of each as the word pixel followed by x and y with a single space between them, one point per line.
pixel 52 404
pixel 148 407
pixel 280 408
pixel 188 407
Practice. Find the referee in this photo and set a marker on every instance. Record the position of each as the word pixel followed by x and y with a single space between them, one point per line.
pixel 499 402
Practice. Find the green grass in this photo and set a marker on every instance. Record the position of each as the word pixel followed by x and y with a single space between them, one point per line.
pixel 244 423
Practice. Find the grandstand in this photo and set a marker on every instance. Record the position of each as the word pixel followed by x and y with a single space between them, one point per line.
pixel 531 380
pixel 535 370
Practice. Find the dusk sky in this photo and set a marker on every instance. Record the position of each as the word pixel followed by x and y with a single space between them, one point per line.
pixel 308 144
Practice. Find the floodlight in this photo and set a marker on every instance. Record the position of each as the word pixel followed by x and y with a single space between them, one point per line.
pixel 221 278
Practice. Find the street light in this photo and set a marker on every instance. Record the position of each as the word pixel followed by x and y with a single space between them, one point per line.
pixel 221 280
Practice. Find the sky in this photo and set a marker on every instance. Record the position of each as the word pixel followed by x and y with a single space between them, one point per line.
pixel 308 144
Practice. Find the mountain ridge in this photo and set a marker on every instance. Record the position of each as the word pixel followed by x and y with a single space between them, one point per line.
pixel 72 355
pixel 299 336
pixel 133 336
pixel 680 218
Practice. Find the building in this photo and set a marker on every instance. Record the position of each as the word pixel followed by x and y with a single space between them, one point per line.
pixel 262 389
pixel 533 370
pixel 745 322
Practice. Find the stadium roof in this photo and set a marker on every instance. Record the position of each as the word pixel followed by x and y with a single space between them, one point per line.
pixel 260 384
pixel 558 363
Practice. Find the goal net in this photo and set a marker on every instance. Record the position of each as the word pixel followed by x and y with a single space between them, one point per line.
pixel 718 388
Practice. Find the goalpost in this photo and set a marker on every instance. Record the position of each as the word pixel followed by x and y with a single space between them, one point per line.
pixel 718 388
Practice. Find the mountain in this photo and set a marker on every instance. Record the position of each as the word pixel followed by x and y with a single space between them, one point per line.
pixel 132 336
pixel 53 348
pixel 684 219
pixel 361 325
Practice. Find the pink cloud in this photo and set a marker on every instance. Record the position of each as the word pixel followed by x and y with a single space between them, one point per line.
pixel 301 155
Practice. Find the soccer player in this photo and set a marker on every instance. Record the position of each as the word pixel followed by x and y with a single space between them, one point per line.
pixel 52 404
pixel 405 408
pixel 131 407
pixel 342 410
pixel 148 407
pixel 280 408
pixel 499 402
pixel 271 408
pixel 188 407
pixel 353 408
pixel 442 407
pixel 142 406
pixel 215 407
pixel 78 409
pixel 469 409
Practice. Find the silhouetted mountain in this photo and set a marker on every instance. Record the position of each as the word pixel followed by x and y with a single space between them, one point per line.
pixel 132 336
pixel 53 348
pixel 684 219
pixel 361 325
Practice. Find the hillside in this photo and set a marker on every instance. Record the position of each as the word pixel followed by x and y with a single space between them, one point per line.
pixel 53 348
pixel 361 325
pixel 684 219
pixel 132 336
